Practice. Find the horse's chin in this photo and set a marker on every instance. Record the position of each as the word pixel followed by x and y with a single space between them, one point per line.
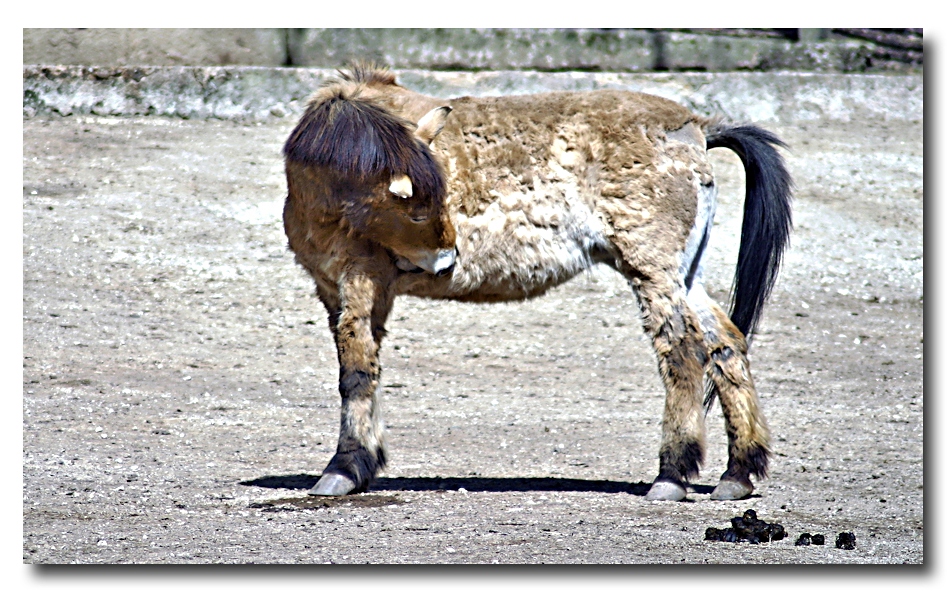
pixel 406 265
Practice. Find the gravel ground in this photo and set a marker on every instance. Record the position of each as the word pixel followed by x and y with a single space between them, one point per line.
pixel 179 382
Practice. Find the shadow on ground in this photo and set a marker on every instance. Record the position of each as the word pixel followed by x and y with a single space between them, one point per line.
pixel 473 484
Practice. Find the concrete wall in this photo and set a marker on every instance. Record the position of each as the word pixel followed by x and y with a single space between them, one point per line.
pixel 607 50
pixel 257 92
pixel 173 71
pixel 159 47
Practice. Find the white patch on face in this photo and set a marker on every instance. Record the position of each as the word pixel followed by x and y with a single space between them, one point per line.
pixel 433 261
pixel 445 259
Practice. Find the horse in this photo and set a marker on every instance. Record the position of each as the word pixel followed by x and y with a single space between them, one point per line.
pixel 391 192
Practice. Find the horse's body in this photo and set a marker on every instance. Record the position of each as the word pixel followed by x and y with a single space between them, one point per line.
pixel 504 198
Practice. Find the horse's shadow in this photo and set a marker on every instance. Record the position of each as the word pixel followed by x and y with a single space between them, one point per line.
pixel 473 484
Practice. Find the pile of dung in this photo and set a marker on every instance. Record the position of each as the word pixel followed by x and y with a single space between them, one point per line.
pixel 845 540
pixel 806 539
pixel 750 529
pixel 747 529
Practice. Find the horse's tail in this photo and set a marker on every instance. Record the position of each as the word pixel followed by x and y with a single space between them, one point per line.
pixel 767 218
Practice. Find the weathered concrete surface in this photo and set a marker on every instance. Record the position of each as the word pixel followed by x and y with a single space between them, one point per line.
pixel 613 50
pixel 261 93
pixel 189 92
pixel 155 47
pixel 606 50
pixel 179 383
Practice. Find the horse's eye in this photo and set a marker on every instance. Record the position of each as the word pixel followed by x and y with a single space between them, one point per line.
pixel 419 219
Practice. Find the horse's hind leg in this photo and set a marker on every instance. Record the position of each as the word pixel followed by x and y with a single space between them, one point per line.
pixel 356 316
pixel 681 357
pixel 731 381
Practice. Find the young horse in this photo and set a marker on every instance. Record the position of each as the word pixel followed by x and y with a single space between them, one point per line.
pixel 506 197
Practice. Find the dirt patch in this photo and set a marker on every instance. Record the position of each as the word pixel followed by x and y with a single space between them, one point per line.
pixel 291 504
pixel 176 361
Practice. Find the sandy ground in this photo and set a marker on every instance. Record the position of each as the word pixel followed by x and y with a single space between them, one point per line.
pixel 179 389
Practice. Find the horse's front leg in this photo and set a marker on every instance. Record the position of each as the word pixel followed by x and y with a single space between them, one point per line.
pixel 357 316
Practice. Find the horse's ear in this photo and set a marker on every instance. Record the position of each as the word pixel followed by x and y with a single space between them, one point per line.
pixel 432 123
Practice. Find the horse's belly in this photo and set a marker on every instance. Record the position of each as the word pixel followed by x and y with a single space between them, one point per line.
pixel 522 245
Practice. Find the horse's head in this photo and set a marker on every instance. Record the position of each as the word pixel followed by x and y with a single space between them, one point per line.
pixel 409 214
pixel 370 159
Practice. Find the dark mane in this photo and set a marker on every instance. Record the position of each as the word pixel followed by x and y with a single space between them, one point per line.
pixel 356 137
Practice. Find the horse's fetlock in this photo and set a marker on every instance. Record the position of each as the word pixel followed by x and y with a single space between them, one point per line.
pixel 360 466
pixel 757 460
pixel 753 460
pixel 681 462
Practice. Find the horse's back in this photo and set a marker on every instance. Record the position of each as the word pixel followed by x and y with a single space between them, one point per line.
pixel 543 186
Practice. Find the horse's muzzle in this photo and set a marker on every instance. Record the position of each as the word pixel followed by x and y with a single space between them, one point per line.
pixel 447 270
pixel 438 263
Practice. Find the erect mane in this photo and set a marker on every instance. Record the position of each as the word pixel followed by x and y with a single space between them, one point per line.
pixel 356 137
pixel 367 72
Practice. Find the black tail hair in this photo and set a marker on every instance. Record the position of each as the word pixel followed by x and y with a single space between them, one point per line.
pixel 356 137
pixel 767 218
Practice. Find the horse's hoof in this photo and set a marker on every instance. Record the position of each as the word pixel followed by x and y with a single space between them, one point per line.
pixel 729 489
pixel 666 491
pixel 332 484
